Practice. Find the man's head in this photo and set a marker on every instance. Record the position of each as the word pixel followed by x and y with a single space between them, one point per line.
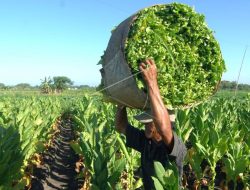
pixel 147 119
pixel 151 131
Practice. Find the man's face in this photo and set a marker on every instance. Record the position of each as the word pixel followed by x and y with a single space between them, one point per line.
pixel 149 130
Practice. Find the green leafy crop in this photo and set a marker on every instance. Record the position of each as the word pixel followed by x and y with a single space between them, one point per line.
pixel 188 57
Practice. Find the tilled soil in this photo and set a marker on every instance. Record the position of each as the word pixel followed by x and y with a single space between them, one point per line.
pixel 58 170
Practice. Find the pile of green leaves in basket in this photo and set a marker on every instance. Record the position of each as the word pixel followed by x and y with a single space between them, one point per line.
pixel 188 57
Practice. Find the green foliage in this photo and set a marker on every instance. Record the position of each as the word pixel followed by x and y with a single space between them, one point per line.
pixel 165 178
pixel 11 158
pixel 104 151
pixel 188 57
pixel 2 86
pixel 61 83
pixel 97 145
pixel 58 84
pixel 220 131
pixel 25 125
pixel 46 86
pixel 23 86
pixel 217 130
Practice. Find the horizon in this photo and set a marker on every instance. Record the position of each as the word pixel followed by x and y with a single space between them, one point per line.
pixel 37 85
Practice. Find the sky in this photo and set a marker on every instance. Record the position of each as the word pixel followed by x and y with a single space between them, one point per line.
pixel 42 38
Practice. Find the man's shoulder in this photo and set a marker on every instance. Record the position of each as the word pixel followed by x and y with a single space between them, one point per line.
pixel 179 148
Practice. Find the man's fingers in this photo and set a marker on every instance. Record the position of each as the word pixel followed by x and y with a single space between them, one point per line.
pixel 143 65
pixel 151 61
pixel 148 62
pixel 141 69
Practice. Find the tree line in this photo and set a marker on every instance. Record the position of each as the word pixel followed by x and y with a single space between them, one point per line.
pixel 231 85
pixel 58 84
pixel 48 85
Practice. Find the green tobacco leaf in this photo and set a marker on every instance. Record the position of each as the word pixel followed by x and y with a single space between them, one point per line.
pixel 169 177
pixel 214 136
pixel 187 134
pixel 102 176
pixel 76 147
pixel 39 147
pixel 157 184
pixel 222 149
pixel 118 167
pixel 98 164
pixel 38 121
pixel 202 149
pixel 138 183
pixel 94 187
pixel 159 171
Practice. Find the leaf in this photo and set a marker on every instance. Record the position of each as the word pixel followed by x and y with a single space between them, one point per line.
pixel 214 136
pixel 138 183
pixel 169 177
pixel 94 187
pixel 118 167
pixel 98 164
pixel 222 149
pixel 38 121
pixel 76 147
pixel 39 147
pixel 102 176
pixel 187 134
pixel 202 149
pixel 159 171
pixel 157 184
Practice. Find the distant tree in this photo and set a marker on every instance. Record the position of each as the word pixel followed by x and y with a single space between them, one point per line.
pixel 2 86
pixel 228 85
pixel 233 85
pixel 61 83
pixel 224 84
pixel 36 87
pixel 243 87
pixel 87 87
pixel 46 86
pixel 23 86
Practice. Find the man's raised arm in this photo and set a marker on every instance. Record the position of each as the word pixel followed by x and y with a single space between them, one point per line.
pixel 159 112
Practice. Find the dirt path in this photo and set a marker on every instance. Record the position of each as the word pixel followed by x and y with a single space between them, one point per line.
pixel 58 170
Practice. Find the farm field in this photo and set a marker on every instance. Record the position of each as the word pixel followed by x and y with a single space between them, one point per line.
pixel 231 93
pixel 34 127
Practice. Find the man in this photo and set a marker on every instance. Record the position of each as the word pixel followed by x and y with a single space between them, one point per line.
pixel 158 142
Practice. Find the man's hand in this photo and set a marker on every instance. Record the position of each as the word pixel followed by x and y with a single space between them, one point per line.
pixel 149 72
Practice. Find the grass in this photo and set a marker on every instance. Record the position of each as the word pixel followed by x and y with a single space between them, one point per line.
pixel 231 93
pixel 77 93
pixel 16 93
pixel 19 92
